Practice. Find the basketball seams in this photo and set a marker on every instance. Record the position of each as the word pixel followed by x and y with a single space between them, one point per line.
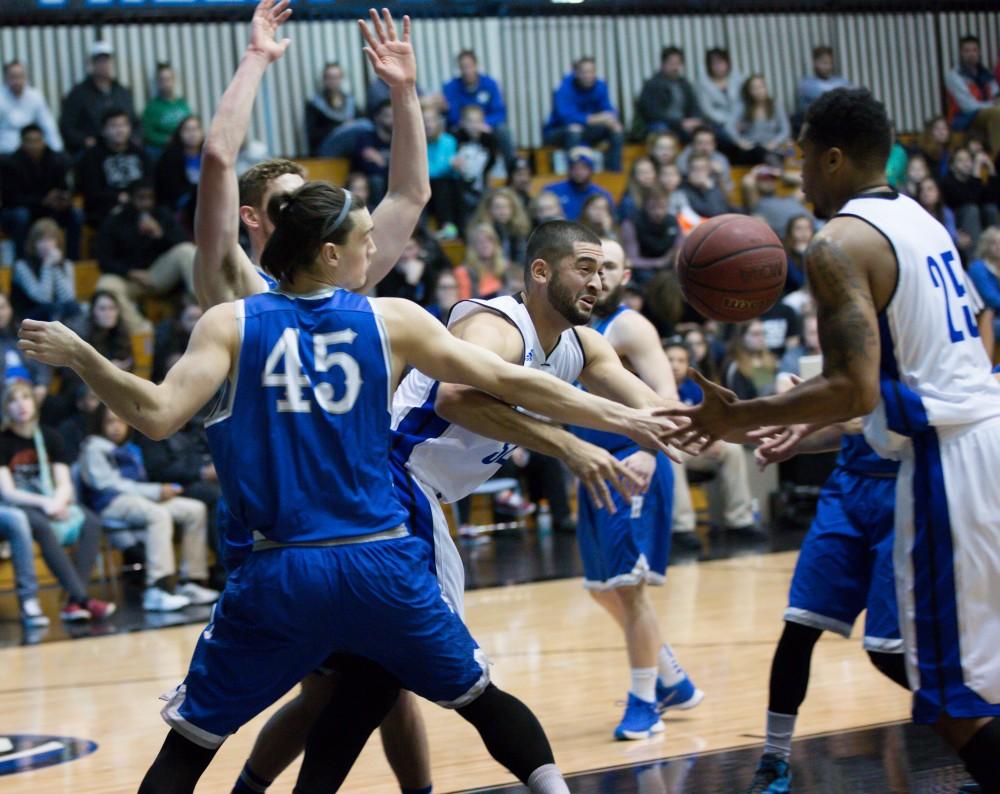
pixel 732 254
pixel 703 240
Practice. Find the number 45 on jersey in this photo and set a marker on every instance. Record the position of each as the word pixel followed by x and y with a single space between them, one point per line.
pixel 286 355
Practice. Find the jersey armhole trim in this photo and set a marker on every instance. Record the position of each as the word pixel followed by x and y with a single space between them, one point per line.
pixel 583 352
pixel 383 334
pixel 499 313
pixel 895 287
pixel 225 407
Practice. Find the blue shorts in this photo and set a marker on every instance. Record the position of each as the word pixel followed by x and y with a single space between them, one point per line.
pixel 845 564
pixel 632 545
pixel 285 611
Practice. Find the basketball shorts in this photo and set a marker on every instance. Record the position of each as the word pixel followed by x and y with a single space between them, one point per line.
pixel 426 521
pixel 632 545
pixel 284 611
pixel 845 564
pixel 947 558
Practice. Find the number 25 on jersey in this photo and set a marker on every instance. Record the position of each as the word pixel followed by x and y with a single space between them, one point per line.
pixel 287 356
pixel 961 301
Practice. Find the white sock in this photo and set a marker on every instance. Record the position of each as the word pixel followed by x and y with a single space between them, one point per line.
pixel 547 780
pixel 780 728
pixel 644 683
pixel 669 668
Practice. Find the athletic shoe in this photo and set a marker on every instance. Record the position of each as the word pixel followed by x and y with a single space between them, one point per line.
pixel 685 542
pixel 156 599
pixel 100 610
pixel 640 721
pixel 683 695
pixel 512 503
pixel 773 776
pixel 74 613
pixel 32 615
pixel 198 595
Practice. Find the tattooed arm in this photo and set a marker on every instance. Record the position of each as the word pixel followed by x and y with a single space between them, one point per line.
pixel 840 263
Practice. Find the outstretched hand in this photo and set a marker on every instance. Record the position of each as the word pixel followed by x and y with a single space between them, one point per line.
pixel 50 343
pixel 267 18
pixel 778 444
pixel 711 419
pixel 390 57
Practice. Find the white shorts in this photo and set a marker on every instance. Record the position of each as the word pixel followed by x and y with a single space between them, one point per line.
pixel 947 560
pixel 427 522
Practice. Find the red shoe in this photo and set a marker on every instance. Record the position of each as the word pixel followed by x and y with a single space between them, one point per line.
pixel 74 613
pixel 100 610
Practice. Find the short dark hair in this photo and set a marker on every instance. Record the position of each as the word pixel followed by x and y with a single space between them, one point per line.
pixel 670 50
pixel 162 66
pixel 10 65
pixel 553 240
pixel 584 59
pixel 968 38
pixel 716 52
pixel 301 219
pixel 27 129
pixel 822 49
pixel 853 120
pixel 113 113
pixel 467 54
pixel 702 130
pixel 332 65
pixel 253 183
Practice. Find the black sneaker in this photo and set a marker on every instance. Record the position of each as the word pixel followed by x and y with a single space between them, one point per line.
pixel 685 542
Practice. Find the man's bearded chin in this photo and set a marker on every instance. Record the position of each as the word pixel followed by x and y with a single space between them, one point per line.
pixel 608 303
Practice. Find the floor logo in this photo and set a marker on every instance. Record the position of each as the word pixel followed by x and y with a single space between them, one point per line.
pixel 24 753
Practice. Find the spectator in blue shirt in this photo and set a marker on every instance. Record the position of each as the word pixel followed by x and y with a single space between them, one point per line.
pixel 813 86
pixel 472 87
pixel 582 113
pixel 579 187
pixel 446 183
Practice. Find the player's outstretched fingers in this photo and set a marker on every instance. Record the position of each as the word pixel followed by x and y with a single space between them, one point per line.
pixel 406 28
pixel 377 25
pixel 390 26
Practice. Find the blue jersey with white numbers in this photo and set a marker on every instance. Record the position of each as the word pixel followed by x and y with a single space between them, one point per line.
pixel 300 437
pixel 609 441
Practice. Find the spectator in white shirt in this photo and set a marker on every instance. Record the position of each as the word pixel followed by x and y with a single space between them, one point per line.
pixel 21 105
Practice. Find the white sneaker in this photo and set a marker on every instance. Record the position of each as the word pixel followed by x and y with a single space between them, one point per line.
pixel 157 600
pixel 32 615
pixel 198 595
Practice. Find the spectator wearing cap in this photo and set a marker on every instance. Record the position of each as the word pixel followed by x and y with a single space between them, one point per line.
pixel 89 101
pixel 582 113
pixel 813 86
pixel 473 88
pixel 668 102
pixel 164 112
pixel 974 94
pixel 109 168
pixel 580 186
pixel 21 105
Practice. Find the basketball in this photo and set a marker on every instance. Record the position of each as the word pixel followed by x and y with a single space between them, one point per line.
pixel 732 268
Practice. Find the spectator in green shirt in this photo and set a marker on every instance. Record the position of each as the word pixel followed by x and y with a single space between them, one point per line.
pixel 163 112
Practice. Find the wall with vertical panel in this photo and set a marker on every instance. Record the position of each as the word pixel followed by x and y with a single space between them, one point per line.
pixel 901 57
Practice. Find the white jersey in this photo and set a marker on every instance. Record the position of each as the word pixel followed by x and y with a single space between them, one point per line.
pixel 934 368
pixel 454 461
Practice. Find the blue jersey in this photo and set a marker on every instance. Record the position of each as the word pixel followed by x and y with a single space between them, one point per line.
pixel 609 441
pixel 268 279
pixel 300 437
pixel 858 457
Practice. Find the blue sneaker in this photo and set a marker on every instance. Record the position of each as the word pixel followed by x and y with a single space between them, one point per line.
pixel 640 721
pixel 773 776
pixel 682 695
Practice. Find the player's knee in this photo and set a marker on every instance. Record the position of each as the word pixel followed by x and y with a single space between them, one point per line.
pixel 632 598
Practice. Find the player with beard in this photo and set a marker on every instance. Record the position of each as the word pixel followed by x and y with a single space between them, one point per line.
pixel 626 549
pixel 449 439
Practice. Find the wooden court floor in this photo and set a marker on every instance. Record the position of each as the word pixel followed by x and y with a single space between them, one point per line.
pixel 549 644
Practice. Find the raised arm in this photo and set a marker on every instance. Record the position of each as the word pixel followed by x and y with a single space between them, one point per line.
pixel 157 411
pixel 222 270
pixel 605 375
pixel 419 340
pixel 409 187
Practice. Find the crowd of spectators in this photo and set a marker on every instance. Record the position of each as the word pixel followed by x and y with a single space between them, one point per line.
pixel 722 142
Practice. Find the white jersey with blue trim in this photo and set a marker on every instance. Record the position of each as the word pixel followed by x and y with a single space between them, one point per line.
pixel 450 459
pixel 934 368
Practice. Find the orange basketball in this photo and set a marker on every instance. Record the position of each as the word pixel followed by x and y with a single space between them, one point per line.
pixel 732 268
